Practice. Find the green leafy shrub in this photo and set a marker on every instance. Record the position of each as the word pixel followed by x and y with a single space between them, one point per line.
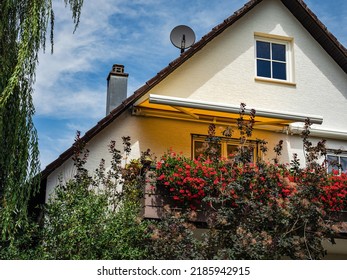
pixel 91 218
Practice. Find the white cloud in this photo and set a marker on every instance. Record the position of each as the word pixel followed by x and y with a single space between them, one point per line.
pixel 62 104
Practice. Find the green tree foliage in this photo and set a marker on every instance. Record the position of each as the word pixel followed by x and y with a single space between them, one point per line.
pixel 91 217
pixel 23 28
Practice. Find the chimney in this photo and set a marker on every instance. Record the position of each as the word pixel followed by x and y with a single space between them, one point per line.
pixel 117 82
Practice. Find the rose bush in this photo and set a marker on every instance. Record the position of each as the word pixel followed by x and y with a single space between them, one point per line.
pixel 334 196
pixel 190 181
pixel 255 211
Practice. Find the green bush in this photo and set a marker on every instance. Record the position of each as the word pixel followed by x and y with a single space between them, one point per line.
pixel 91 218
pixel 80 224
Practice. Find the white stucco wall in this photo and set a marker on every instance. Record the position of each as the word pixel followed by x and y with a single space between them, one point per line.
pixel 224 71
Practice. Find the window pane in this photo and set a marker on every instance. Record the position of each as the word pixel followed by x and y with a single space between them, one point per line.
pixel 343 162
pixel 263 50
pixel 263 68
pixel 279 70
pixel 333 162
pixel 278 52
pixel 198 148
pixel 232 149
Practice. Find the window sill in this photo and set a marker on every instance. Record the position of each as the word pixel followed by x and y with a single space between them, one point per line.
pixel 272 81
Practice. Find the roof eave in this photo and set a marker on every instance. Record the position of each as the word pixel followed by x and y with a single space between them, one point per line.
pixel 318 31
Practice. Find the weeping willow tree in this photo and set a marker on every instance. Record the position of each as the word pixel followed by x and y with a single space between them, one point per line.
pixel 23 28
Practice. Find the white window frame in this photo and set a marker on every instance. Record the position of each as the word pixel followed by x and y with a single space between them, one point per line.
pixel 339 156
pixel 288 42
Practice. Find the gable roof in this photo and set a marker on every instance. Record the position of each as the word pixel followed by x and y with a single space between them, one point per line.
pixel 297 7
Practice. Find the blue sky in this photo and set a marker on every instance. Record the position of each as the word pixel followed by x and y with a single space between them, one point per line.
pixel 70 89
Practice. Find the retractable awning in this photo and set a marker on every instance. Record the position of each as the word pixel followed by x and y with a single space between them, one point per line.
pixel 212 112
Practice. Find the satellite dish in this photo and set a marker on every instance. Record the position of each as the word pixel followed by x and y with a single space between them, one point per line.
pixel 182 37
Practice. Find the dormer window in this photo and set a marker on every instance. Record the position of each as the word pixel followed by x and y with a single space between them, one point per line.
pixel 273 58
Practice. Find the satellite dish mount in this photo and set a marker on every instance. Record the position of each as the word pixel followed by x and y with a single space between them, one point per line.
pixel 182 37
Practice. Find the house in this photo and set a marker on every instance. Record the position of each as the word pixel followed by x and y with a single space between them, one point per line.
pixel 274 55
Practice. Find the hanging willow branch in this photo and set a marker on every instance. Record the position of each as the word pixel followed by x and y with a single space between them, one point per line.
pixel 23 29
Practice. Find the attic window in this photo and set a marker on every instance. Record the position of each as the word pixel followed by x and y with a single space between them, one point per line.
pixel 273 58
